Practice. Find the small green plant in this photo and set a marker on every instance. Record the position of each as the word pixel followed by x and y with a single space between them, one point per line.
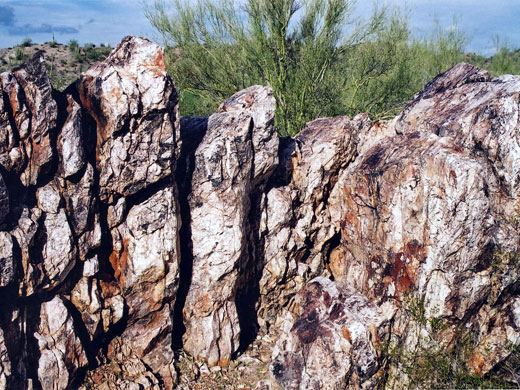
pixel 27 42
pixel 74 46
pixel 436 363
pixel 53 42
pixel 19 54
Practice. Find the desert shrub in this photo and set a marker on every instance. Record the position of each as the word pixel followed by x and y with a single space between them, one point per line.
pixel 27 42
pixel 318 60
pixel 215 48
pixel 74 45
pixel 434 363
pixel 19 54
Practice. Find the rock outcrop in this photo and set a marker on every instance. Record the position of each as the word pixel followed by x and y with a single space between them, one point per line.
pixel 127 232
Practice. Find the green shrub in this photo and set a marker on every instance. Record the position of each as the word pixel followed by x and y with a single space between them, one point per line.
pixel 74 46
pixel 215 48
pixel 19 54
pixel 27 42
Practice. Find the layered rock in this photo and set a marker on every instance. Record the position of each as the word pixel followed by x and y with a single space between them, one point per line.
pixel 232 164
pixel 93 240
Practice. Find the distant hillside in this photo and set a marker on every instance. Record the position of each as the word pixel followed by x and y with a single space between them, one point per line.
pixel 64 62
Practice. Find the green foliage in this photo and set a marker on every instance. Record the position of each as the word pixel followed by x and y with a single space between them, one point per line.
pixel 215 48
pixel 436 364
pixel 19 54
pixel 303 51
pixel 27 42
pixel 74 46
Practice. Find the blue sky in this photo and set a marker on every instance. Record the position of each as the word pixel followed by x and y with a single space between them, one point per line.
pixel 107 21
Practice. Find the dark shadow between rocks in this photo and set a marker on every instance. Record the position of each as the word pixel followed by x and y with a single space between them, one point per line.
pixel 192 132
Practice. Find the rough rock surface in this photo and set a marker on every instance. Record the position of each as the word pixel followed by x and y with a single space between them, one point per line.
pixel 332 341
pixel 126 233
pixel 236 156
pixel 93 240
pixel 133 104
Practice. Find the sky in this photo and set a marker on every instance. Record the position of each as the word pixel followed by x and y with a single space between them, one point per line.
pixel 107 21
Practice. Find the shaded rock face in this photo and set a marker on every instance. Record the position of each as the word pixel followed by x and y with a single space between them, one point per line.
pixel 89 249
pixel 126 232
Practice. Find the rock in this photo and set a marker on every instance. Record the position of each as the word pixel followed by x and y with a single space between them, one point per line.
pixel 48 199
pixel 347 243
pixel 133 103
pixel 71 140
pixel 29 91
pixel 230 169
pixel 333 340
pixel 149 339
pixel 145 257
pixel 116 213
pixel 61 351
pixel 478 112
pixel 5 363
pixel 4 200
pixel 25 234
pixel 145 261
pixel 8 262
pixel 58 252
pixel 12 152
pixel 296 223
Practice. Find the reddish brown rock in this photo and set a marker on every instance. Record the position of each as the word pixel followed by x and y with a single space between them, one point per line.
pixel 332 341
pixel 34 113
pixel 133 103
pixel 296 226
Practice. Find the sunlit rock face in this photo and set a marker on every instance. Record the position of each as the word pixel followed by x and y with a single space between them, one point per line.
pixel 126 232
pixel 232 163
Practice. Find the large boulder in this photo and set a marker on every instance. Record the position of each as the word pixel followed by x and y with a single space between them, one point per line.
pixel 232 164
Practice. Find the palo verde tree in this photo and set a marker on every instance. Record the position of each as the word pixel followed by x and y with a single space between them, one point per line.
pixel 217 47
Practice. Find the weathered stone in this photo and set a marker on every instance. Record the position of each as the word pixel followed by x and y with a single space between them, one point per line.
pixel 296 223
pixel 79 199
pixel 5 363
pixel 230 170
pixel 481 114
pixel 100 303
pixel 7 260
pixel 133 103
pixel 145 261
pixel 59 252
pixel 116 213
pixel 145 258
pixel 12 152
pixel 71 140
pixel 412 209
pixel 61 351
pixel 25 233
pixel 29 90
pixel 4 200
pixel 48 199
pixel 150 340
pixel 415 219
pixel 331 342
